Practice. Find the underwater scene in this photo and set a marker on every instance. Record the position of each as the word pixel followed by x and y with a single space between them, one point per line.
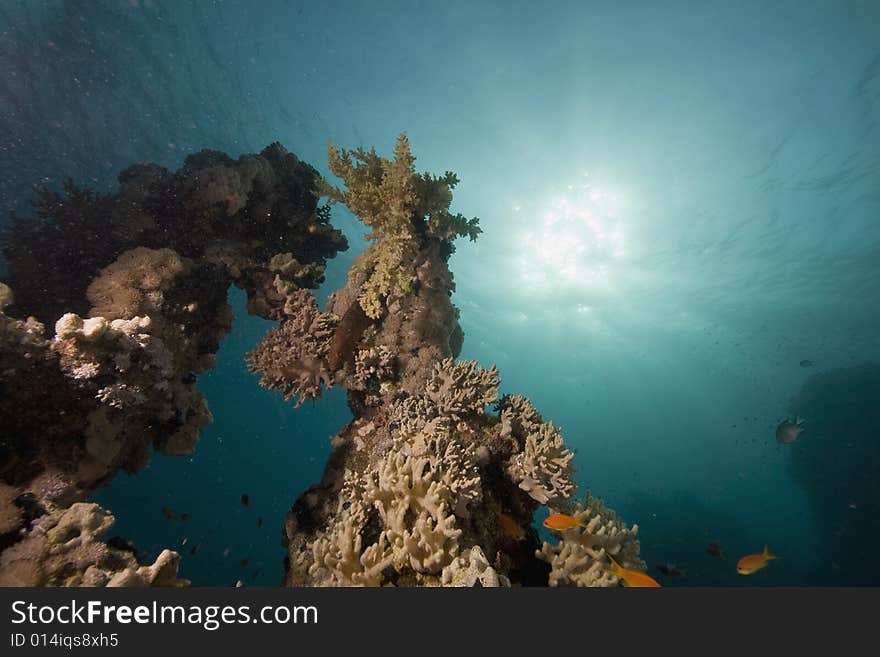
pixel 566 294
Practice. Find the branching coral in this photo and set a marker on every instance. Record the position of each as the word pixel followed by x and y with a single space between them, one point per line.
pixel 543 469
pixel 472 569
pixel 541 465
pixel 409 490
pixel 292 357
pixel 374 365
pixel 415 495
pixel 579 559
pixel 461 389
pixel 401 207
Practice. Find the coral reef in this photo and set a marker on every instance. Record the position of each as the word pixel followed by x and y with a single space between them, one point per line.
pixel 579 557
pixel 61 547
pixel 135 286
pixel 293 357
pixel 235 214
pixel 424 487
pixel 414 496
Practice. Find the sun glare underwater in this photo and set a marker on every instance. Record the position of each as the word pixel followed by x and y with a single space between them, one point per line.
pixel 417 294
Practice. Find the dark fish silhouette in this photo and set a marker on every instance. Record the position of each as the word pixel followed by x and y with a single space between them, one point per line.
pixel 244 563
pixel 806 363
pixel 168 513
pixel 245 499
pixel 714 549
pixel 671 570
pixel 195 548
pixel 260 521
pixel 184 517
pixel 788 431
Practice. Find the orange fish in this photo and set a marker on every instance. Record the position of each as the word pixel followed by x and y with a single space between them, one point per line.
pixel 561 521
pixel 752 563
pixel 510 527
pixel 631 578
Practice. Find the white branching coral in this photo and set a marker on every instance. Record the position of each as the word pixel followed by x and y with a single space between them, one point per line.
pixel 339 559
pixel 471 569
pixel 401 513
pixel 462 389
pixel 518 417
pixel 543 469
pixel 417 495
pixel 579 559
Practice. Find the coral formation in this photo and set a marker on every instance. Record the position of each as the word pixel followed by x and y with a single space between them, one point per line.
pixel 135 288
pixel 402 208
pixel 293 357
pixel 579 559
pixel 424 487
pixel 61 547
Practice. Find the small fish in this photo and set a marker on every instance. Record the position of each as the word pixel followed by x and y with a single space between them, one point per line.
pixel 714 550
pixel 806 363
pixel 260 521
pixel 561 521
pixel 195 548
pixel 510 527
pixel 184 517
pixel 752 563
pixel 631 578
pixel 183 542
pixel 238 583
pixel 671 570
pixel 168 513
pixel 243 563
pixel 245 499
pixel 225 553
pixel 788 431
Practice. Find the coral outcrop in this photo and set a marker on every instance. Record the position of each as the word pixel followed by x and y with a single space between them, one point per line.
pixel 436 480
pixel 134 285
pixel 62 547
pixel 579 559
pixel 426 487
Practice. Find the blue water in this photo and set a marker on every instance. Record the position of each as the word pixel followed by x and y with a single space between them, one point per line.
pixel 727 157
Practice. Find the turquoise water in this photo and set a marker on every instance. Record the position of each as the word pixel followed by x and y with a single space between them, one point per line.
pixel 679 204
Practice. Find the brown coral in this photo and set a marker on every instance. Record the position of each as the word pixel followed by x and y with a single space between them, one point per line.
pixel 293 357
